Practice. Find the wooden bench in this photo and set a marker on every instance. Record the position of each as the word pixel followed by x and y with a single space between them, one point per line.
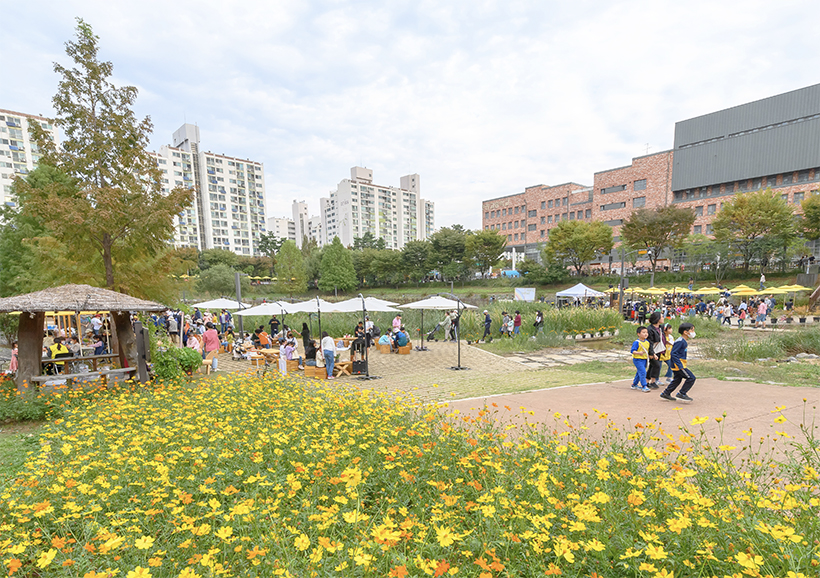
pixel 92 375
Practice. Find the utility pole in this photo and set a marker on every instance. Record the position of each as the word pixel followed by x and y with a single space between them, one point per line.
pixel 621 284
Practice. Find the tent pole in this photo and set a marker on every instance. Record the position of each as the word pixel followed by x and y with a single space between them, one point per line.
pixel 366 376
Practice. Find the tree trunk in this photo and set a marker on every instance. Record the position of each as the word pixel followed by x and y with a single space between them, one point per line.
pixel 30 346
pixel 107 260
pixel 126 339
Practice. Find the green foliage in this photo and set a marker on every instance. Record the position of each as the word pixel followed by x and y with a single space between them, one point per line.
pixel 269 244
pixel 528 266
pixel 811 217
pixel 212 257
pixel 416 256
pixel 290 269
pixel 749 222
pixel 368 241
pixel 174 363
pixel 657 230
pixel 8 327
pixel 577 243
pixel 221 280
pixel 388 267
pixel 776 345
pixel 115 224
pixel 448 252
pixel 484 249
pixel 337 271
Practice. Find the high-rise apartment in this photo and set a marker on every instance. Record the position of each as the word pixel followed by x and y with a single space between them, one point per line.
pixel 18 154
pixel 396 214
pixel 282 228
pixel 229 208
pixel 301 221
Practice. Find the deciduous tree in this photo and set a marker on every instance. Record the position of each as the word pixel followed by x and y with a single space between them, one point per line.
pixel 337 268
pixel 750 222
pixel 484 248
pixel 291 276
pixel 119 212
pixel 221 280
pixel 811 217
pixel 657 230
pixel 448 246
pixel 577 242
pixel 416 256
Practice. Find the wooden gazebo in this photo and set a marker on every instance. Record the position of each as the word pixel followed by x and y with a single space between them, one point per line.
pixel 33 307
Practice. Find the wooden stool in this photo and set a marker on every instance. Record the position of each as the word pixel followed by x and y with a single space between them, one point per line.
pixel 320 373
pixel 207 364
pixel 383 348
pixel 405 349
pixel 293 365
pixel 310 371
pixel 257 360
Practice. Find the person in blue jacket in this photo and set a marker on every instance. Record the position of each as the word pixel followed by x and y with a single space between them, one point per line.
pixel 680 372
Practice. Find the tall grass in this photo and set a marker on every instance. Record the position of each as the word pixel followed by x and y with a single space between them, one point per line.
pixel 776 345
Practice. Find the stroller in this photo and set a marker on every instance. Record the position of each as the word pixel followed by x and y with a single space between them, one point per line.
pixel 433 332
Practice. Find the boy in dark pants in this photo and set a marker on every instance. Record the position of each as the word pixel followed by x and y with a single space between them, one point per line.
pixel 640 355
pixel 678 361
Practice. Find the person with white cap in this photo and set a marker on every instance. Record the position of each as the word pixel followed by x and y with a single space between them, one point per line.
pixel 487 324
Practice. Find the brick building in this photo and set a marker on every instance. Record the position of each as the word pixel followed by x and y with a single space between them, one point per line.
pixel 773 142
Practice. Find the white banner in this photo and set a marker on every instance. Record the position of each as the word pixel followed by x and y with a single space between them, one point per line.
pixel 525 294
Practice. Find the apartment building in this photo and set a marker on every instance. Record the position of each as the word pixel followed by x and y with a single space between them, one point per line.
pixel 773 142
pixel 229 207
pixel 397 215
pixel 282 228
pixel 18 154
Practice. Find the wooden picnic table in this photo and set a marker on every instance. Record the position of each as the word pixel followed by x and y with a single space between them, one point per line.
pixel 94 359
pixel 342 368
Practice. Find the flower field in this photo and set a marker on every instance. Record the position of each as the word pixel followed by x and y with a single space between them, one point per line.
pixel 238 476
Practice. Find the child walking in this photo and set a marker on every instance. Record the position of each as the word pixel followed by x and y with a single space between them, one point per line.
pixel 640 356
pixel 679 370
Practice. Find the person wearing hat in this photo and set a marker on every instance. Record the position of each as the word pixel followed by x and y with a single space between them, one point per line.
pixel 487 324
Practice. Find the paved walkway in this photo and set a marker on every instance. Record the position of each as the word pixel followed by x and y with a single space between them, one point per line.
pixel 747 406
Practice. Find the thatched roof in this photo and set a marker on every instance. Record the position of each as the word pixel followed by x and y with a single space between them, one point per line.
pixel 76 298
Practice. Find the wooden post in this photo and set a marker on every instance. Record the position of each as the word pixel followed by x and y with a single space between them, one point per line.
pixel 143 351
pixel 30 347
pixel 126 339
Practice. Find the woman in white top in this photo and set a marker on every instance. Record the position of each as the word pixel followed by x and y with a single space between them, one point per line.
pixel 329 351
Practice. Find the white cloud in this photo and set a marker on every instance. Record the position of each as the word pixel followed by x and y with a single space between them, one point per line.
pixel 482 98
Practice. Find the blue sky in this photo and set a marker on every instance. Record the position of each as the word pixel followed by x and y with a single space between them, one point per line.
pixel 481 98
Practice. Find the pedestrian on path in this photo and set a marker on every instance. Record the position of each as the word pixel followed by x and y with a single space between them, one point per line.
pixel 488 322
pixel 539 322
pixel 640 355
pixel 517 323
pixel 679 369
pixel 668 341
pixel 655 345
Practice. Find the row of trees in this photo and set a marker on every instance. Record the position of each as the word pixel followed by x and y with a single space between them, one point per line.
pixel 750 228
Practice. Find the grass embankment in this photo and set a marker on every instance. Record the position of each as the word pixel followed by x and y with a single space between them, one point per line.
pixel 244 477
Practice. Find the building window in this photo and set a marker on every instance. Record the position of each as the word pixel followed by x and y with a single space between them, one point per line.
pixel 531 213
pixel 564 217
pixel 699 211
pixel 487 215
pixel 613 206
pixel 515 236
pixel 543 220
pixel 543 205
pixel 614 222
pixel 697 230
pixel 549 204
pixel 638 202
pixel 566 201
pixel 549 218
pixel 785 197
pixel 509 237
pixel 572 216
pixel 798 198
pixel 709 229
pixel 523 222
pixel 504 212
pixel 580 215
pixel 504 226
pixel 771 181
pixel 531 227
pixel 639 185
pixel 516 224
pixel 588 214
pixel 516 210
pixel 710 210
pixel 543 232
pixel 803 176
pixel 614 189
pixel 486 227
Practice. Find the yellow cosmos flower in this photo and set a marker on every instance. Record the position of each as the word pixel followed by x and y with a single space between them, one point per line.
pixel 188 573
pixel 144 543
pixel 655 552
pixel 699 420
pixel 302 542
pixel 224 532
pixel 46 558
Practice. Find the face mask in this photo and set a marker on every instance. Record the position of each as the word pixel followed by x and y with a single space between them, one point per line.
pixel 692 334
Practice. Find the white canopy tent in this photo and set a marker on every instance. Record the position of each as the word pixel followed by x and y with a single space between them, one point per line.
pixel 270 308
pixel 368 304
pixel 580 291
pixel 221 303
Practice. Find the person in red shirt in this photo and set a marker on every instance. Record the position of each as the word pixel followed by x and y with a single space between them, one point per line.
pixel 210 345
pixel 517 323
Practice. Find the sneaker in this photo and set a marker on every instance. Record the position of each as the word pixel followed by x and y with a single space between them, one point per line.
pixel 665 395
pixel 652 385
pixel 684 397
pixel 645 389
pixel 634 386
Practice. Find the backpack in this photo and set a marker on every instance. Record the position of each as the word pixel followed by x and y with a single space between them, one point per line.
pixel 375 331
